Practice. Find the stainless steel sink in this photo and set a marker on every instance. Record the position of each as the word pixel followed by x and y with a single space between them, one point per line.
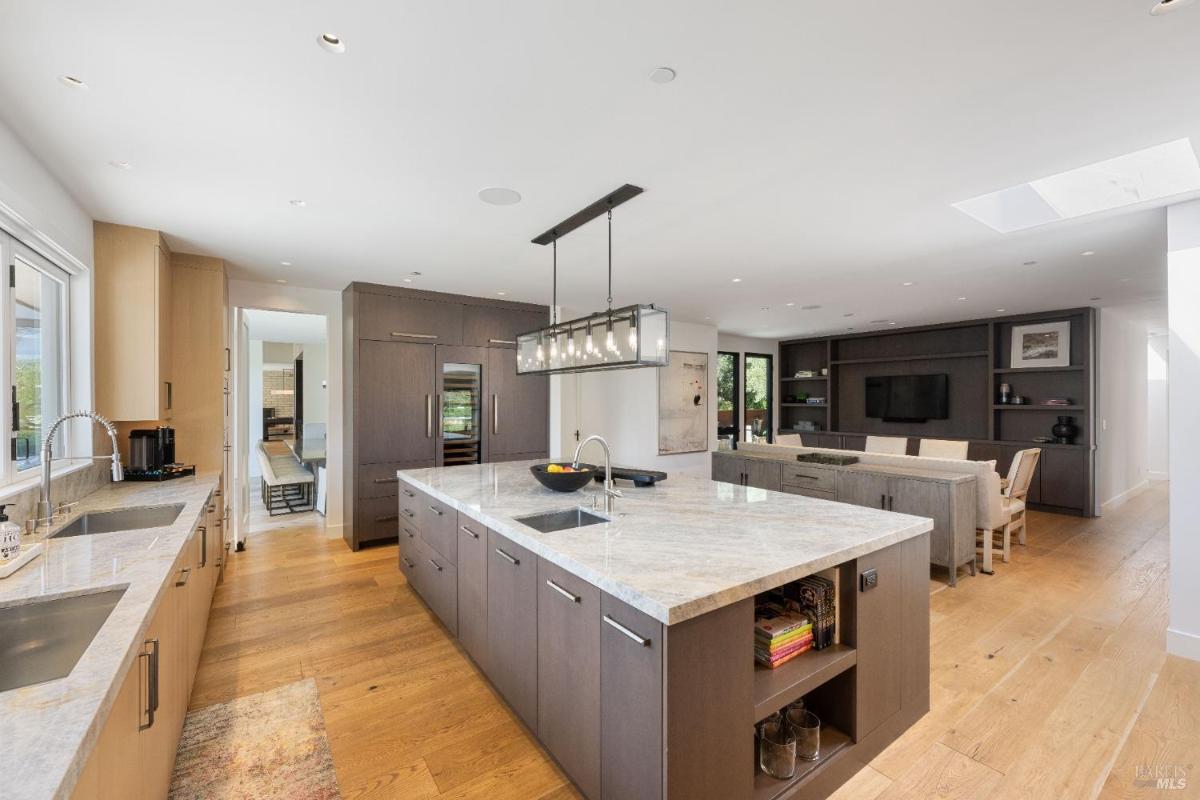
pixel 122 519
pixel 43 640
pixel 550 521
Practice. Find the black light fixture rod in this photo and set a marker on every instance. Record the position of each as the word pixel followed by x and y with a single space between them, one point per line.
pixel 586 215
pixel 610 259
pixel 554 288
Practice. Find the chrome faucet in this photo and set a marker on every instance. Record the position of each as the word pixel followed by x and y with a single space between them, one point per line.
pixel 45 514
pixel 609 491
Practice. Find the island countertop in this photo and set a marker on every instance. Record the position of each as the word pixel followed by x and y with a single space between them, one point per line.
pixel 681 548
pixel 50 729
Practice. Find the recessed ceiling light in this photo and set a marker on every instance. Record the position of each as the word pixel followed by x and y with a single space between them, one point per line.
pixel 408 280
pixel 331 43
pixel 1028 263
pixel 499 196
pixel 891 323
pixel 1095 299
pixel 1167 6
pixel 809 308
pixel 851 314
pixel 789 305
pixel 501 293
pixel 908 283
pixel 72 81
pixel 962 298
pixel 415 272
pixel 1088 253
pixel 285 263
pixel 737 280
pixel 299 203
pixel 999 310
pixel 280 280
pixel 765 308
pixel 662 75
pixel 879 322
pixel 121 165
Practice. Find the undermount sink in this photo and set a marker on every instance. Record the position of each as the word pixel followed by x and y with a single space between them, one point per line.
pixel 121 519
pixel 43 640
pixel 550 521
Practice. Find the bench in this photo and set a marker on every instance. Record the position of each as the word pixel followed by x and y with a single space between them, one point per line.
pixel 287 487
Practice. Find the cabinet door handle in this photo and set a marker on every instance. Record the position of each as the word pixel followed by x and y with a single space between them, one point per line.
pixel 428 416
pixel 891 502
pixel 228 360
pixel 408 512
pixel 184 574
pixel 389 518
pixel 152 683
pixel 414 335
pixel 640 640
pixel 574 598
pixel 468 531
pixel 170 395
pixel 407 563
pixel 435 564
pixel 507 557
pixel 389 480
pixel 495 415
pixel 437 404
pixel 203 546
pixel 407 492
pixel 883 501
pixel 502 341
pixel 436 510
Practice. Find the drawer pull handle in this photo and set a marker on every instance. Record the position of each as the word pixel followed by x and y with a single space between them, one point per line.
pixel 436 510
pixel 502 341
pixel 184 575
pixel 411 535
pixel 806 477
pixel 435 564
pixel 574 598
pixel 390 480
pixel 507 557
pixel 468 531
pixel 407 492
pixel 408 563
pixel 415 335
pixel 389 518
pixel 408 512
pixel 640 640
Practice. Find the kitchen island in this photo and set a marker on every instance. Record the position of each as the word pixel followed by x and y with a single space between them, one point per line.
pixel 626 644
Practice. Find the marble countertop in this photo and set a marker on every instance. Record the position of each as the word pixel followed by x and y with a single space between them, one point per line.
pixel 939 475
pixel 49 729
pixel 678 549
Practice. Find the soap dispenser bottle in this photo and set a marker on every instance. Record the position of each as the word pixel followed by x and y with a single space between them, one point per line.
pixel 10 537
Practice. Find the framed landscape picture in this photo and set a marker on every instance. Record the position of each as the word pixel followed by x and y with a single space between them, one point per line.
pixel 1043 344
pixel 683 404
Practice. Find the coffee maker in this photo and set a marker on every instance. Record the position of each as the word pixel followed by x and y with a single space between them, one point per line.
pixel 152 450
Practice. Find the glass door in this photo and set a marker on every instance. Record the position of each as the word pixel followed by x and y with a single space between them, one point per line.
pixel 729 405
pixel 759 396
pixel 461 414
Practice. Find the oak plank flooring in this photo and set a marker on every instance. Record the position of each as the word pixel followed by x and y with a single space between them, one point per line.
pixel 1048 679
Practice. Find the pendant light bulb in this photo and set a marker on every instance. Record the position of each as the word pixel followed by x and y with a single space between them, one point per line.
pixel 633 333
pixel 588 346
pixel 554 347
pixel 541 354
pixel 571 345
pixel 609 344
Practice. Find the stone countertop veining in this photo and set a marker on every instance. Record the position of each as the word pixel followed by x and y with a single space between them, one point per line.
pixel 678 549
pixel 49 729
pixel 939 475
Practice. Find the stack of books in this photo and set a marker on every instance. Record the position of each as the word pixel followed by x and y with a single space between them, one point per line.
pixel 816 598
pixel 780 634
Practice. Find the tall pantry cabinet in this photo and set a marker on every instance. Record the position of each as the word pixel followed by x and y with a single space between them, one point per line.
pixel 430 380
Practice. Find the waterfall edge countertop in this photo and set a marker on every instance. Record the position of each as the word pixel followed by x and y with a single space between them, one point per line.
pixel 679 549
pixel 50 729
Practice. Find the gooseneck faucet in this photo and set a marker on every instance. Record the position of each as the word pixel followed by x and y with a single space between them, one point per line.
pixel 609 491
pixel 45 515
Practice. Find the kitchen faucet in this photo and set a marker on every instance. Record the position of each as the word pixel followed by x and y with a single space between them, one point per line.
pixel 609 491
pixel 45 513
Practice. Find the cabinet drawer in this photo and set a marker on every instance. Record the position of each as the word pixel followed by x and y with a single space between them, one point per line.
pixel 472 588
pixel 375 518
pixel 410 555
pixel 386 318
pixel 438 583
pixel 810 477
pixel 438 525
pixel 804 491
pixel 484 326
pixel 378 480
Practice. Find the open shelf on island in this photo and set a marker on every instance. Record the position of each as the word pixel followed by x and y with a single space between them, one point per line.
pixel 833 741
pixel 775 688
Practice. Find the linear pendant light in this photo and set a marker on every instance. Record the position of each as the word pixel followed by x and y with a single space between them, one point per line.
pixel 616 338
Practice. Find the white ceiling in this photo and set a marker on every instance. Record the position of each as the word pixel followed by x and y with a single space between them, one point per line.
pixel 285 326
pixel 812 149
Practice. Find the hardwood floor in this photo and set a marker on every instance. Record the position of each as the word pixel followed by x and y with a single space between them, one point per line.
pixel 1049 679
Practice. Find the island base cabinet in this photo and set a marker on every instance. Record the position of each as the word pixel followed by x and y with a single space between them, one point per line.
pixel 569 674
pixel 631 699
pixel 472 588
pixel 512 599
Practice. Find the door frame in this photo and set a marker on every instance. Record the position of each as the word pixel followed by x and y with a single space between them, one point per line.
pixel 738 423
pixel 770 416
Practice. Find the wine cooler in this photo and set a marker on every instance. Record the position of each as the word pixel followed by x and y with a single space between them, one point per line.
pixel 461 406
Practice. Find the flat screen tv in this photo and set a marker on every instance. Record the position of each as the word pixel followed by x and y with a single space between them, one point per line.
pixel 908 398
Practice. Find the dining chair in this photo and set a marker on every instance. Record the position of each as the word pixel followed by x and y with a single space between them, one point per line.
pixel 887 445
pixel 943 448
pixel 1020 476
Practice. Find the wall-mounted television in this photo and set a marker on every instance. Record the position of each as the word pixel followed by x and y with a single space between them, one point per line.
pixel 908 398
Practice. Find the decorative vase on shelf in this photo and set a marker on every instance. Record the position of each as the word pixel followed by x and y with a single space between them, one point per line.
pixel 1065 431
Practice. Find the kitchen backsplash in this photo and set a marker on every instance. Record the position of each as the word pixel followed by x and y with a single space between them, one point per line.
pixel 66 488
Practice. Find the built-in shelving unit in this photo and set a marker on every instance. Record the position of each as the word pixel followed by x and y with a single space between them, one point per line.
pixel 1038 407
pixel 833 744
pixel 775 688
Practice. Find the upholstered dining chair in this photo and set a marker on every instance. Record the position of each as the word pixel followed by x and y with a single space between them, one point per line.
pixel 943 448
pixel 1020 476
pixel 888 445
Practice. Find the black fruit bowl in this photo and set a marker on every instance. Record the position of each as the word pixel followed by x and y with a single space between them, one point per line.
pixel 563 481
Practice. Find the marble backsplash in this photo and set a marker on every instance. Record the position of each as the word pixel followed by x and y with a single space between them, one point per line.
pixel 65 488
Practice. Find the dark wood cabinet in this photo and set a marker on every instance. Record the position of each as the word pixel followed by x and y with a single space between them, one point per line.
pixel 438 585
pixel 631 687
pixel 763 474
pixel 488 326
pixel 387 318
pixel 394 391
pixel 512 625
pixel 569 673
pixel 472 587
pixel 1063 477
pixel 438 525
pixel 517 409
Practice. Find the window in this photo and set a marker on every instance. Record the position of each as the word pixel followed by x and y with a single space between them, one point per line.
pixel 729 406
pixel 34 332
pixel 759 396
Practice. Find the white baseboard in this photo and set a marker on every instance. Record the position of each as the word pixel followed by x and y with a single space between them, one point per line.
pixel 1183 644
pixel 1154 475
pixel 1124 497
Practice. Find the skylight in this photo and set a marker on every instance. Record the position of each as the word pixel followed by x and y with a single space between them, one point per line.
pixel 1151 174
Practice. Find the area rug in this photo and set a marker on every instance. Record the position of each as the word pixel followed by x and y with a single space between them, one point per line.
pixel 266 746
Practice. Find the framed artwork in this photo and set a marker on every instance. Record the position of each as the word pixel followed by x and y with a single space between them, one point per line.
pixel 1042 344
pixel 683 404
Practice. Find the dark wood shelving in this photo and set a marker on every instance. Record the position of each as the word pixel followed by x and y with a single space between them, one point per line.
pixel 814 378
pixel 1036 370
pixel 775 688
pixel 833 742
pixel 804 405
pixel 1036 407
pixel 1043 445
pixel 925 357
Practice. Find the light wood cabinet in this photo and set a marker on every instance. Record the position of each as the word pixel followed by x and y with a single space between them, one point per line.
pixel 863 489
pixel 199 340
pixel 728 469
pixel 763 474
pixel 131 301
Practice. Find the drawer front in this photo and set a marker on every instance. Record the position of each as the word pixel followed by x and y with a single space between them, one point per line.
pixel 385 318
pixel 512 609
pixel 804 491
pixel 377 480
pixel 439 588
pixel 810 477
pixel 376 518
pixel 411 550
pixel 438 525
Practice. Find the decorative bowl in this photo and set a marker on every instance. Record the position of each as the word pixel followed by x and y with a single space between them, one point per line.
pixel 563 481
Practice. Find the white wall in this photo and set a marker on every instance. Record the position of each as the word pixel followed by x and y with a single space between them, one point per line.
pixel 622 406
pixel 1183 298
pixel 1157 409
pixel 728 343
pixel 254 387
pixel 276 297
pixel 1121 404
pixel 316 396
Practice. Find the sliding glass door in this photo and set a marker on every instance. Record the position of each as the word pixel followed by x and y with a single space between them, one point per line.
pixel 759 396
pixel 729 402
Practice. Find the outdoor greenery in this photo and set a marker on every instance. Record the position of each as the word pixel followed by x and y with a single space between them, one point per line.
pixel 726 381
pixel 29 396
pixel 756 383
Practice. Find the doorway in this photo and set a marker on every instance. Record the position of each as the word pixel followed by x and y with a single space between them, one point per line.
pixel 759 396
